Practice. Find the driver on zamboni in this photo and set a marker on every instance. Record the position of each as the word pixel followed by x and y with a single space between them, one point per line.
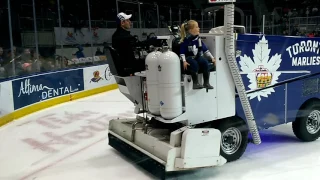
pixel 192 51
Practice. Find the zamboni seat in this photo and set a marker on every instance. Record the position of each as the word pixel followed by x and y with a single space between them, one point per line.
pixel 117 68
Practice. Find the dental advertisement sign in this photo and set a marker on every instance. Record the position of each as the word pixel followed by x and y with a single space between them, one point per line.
pixel 34 89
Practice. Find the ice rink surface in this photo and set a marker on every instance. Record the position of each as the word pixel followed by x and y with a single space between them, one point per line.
pixel 69 142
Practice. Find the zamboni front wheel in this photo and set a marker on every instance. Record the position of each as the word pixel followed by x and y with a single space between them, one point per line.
pixel 306 127
pixel 234 138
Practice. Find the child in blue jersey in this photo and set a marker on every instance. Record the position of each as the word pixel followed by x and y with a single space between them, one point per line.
pixel 192 51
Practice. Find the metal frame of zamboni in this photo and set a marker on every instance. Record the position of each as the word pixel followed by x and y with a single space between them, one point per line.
pixel 174 144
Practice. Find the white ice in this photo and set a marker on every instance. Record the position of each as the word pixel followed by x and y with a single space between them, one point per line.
pixel 82 152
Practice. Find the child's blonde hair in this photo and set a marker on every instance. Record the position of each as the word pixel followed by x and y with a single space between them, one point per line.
pixel 185 27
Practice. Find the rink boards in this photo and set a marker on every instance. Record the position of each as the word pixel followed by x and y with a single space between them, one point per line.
pixel 263 61
pixel 23 96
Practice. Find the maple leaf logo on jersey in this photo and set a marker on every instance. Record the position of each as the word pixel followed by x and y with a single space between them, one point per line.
pixel 262 70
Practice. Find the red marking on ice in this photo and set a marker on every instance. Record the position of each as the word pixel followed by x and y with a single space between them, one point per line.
pixel 61 160
pixel 25 123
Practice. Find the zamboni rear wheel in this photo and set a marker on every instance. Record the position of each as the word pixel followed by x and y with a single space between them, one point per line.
pixel 306 127
pixel 234 137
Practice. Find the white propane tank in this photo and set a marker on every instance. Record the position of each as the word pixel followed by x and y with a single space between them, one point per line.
pixel 152 82
pixel 170 92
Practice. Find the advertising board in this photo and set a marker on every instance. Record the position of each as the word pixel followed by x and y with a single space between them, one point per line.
pixel 34 89
pixel 97 76
pixel 66 36
pixel 6 102
pixel 90 55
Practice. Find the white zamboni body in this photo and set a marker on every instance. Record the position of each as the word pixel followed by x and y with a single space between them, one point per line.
pixel 186 137
pixel 184 148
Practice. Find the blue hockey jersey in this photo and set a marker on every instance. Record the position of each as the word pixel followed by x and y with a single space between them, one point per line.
pixel 190 47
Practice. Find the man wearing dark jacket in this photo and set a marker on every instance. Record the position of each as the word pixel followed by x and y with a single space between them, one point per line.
pixel 124 43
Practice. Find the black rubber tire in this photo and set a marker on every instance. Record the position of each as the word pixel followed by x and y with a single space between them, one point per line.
pixel 299 125
pixel 240 124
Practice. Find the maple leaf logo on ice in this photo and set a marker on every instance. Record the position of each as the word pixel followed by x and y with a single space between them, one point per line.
pixel 262 70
